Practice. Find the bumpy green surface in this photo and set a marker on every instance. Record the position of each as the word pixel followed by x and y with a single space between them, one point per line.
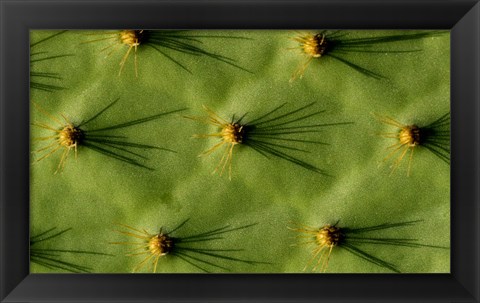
pixel 94 192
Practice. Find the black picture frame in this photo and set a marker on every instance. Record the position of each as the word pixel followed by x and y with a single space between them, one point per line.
pixel 18 17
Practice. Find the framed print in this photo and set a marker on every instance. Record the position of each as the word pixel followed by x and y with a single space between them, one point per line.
pixel 243 151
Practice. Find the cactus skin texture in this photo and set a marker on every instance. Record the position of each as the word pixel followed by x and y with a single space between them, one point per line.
pixel 248 74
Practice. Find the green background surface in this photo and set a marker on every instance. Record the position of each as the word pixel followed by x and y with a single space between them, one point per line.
pixel 94 192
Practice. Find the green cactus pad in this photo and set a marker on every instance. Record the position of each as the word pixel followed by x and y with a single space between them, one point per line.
pixel 351 87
